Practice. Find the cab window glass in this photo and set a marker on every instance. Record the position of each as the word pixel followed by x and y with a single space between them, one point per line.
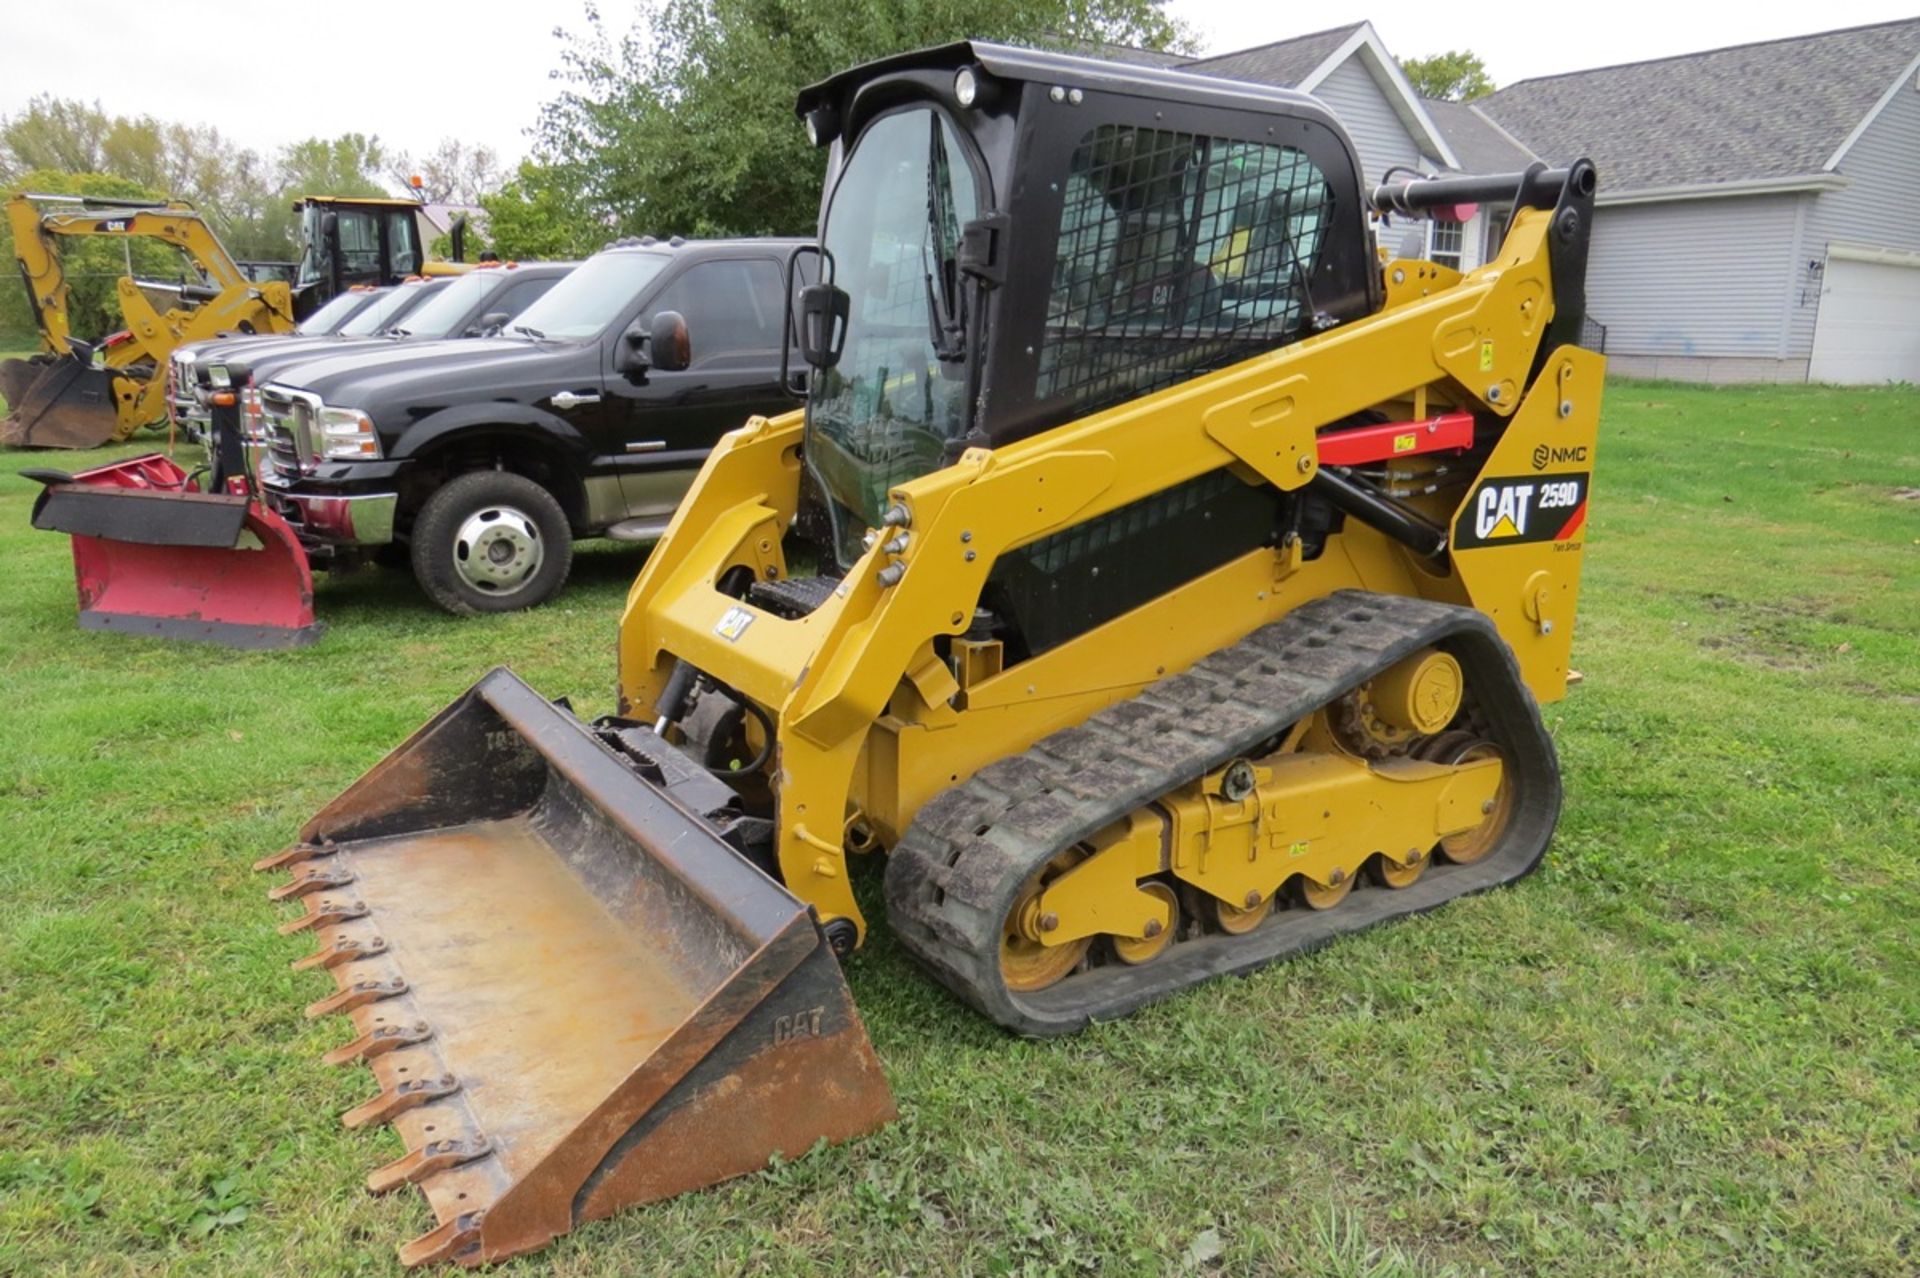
pixel 521 295
pixel 404 234
pixel 359 243
pixel 1178 253
pixel 733 311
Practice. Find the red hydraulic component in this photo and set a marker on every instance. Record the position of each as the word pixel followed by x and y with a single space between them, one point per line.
pixel 1359 445
pixel 154 555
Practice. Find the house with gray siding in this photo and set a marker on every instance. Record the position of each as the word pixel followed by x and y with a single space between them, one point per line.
pixel 1759 207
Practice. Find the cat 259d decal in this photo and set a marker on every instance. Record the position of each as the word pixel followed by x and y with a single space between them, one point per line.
pixel 1509 511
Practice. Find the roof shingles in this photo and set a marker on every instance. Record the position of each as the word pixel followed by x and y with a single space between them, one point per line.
pixel 1773 110
pixel 1284 63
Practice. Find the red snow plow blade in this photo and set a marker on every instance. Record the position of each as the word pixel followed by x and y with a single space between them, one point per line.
pixel 153 555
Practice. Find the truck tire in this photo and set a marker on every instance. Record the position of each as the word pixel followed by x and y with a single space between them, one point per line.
pixel 491 541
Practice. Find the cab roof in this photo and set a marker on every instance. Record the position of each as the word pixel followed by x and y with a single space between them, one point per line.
pixel 1012 62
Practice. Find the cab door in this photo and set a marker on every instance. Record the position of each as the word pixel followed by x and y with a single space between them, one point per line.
pixel 734 310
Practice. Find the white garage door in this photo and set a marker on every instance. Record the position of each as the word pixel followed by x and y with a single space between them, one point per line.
pixel 1869 325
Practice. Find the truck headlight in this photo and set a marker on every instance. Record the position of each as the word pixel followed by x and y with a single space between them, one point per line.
pixel 345 434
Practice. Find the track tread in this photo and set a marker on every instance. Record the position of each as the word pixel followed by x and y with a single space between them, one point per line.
pixel 954 874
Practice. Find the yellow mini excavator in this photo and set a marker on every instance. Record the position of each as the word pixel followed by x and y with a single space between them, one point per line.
pixel 82 393
pixel 1157 583
pixel 65 397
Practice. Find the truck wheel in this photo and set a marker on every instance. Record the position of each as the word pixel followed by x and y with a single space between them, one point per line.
pixel 491 541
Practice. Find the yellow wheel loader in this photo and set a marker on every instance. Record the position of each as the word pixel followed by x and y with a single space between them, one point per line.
pixel 1155 583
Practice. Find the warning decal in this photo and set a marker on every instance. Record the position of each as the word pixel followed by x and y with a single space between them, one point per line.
pixel 1511 511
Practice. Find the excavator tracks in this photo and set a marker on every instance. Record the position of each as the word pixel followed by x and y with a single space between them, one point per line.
pixel 958 870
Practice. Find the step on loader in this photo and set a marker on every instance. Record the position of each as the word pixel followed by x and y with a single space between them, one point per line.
pixel 1180 585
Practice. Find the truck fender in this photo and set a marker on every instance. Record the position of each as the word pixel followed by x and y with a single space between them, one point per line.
pixel 536 426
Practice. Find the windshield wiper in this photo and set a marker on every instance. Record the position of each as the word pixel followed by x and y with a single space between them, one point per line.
pixel 399 332
pixel 946 327
pixel 534 333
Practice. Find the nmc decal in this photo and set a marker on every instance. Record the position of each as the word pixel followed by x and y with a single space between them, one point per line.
pixel 1506 512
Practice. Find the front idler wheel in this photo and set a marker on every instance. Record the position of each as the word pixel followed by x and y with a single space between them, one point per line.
pixel 1028 963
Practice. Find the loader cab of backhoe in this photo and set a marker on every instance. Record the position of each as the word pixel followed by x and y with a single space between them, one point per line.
pixel 347 243
pixel 1012 239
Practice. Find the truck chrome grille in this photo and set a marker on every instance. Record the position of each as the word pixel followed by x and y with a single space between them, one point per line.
pixel 287 417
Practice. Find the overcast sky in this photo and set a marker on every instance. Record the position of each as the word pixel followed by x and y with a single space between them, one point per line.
pixel 408 78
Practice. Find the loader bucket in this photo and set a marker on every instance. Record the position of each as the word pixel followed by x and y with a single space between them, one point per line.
pixel 572 995
pixel 57 403
pixel 154 556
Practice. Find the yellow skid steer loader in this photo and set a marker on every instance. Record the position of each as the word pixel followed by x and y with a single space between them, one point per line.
pixel 1158 584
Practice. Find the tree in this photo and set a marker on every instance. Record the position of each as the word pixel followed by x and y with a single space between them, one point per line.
pixel 453 173
pixel 683 124
pixel 346 165
pixel 538 214
pixel 1457 75
pixel 91 265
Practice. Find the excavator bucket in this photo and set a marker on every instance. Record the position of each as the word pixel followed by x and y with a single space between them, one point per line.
pixel 62 402
pixel 15 376
pixel 571 993
pixel 152 555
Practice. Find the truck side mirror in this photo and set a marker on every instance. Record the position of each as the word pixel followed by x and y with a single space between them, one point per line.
pixel 823 324
pixel 329 225
pixel 489 324
pixel 663 345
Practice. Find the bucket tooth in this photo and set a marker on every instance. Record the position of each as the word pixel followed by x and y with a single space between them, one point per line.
pixel 358 994
pixel 435 1156
pixel 306 882
pixel 343 950
pixel 448 1242
pixel 294 855
pixel 320 913
pixel 379 1042
pixel 398 1099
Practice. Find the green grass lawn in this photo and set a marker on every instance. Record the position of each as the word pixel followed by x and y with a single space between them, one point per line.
pixel 1689 1044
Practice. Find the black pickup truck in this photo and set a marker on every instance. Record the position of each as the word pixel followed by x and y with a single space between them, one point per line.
pixel 589 416
pixel 476 304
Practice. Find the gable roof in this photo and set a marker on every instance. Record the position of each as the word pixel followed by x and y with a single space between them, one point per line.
pixel 1481 145
pixel 1284 62
pixel 1305 61
pixel 1766 112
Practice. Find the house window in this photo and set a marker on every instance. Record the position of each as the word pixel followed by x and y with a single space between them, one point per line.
pixel 1444 242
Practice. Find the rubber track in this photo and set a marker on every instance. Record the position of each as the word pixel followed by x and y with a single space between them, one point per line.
pixel 956 872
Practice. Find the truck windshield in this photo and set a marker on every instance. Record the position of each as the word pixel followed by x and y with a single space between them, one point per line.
pixel 330 317
pixel 389 308
pixel 592 297
pixel 437 316
pixel 895 402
